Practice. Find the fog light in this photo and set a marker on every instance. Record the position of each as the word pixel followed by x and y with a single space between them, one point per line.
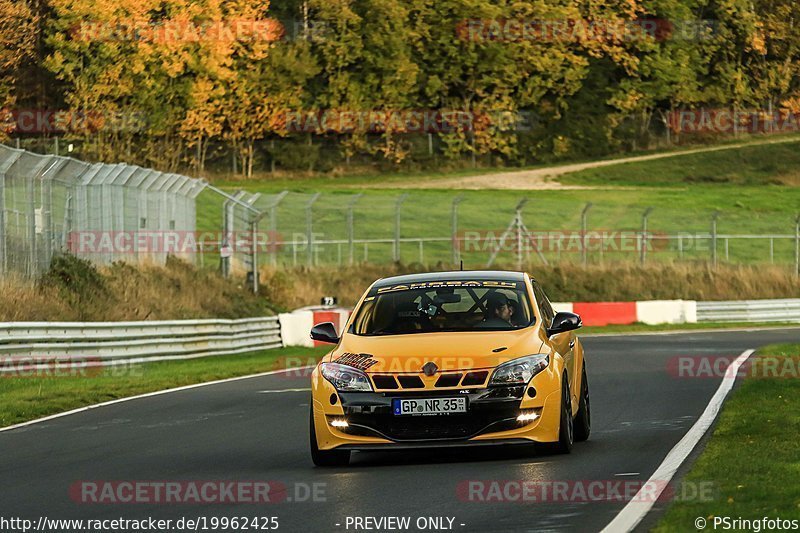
pixel 527 416
pixel 339 423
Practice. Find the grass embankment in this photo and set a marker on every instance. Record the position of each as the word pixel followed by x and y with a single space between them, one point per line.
pixel 753 457
pixel 768 164
pixel 358 176
pixel 29 397
pixel 296 287
pixel 76 290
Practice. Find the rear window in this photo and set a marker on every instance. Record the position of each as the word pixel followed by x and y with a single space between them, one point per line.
pixel 444 306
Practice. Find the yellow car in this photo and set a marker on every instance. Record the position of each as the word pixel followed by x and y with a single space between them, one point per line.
pixel 449 359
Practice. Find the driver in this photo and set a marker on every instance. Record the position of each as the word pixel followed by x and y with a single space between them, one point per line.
pixel 499 311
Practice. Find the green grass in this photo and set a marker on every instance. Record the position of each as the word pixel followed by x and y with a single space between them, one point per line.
pixel 751 165
pixel 28 398
pixel 753 457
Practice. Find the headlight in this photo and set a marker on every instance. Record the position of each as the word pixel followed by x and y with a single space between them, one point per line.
pixel 519 371
pixel 345 378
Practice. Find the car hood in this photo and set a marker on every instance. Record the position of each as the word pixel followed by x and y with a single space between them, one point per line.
pixel 447 350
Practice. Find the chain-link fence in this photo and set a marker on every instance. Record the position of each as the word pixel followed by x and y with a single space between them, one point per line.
pixel 52 204
pixel 491 228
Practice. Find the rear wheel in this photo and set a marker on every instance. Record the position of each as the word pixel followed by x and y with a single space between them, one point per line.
pixel 325 457
pixel 583 420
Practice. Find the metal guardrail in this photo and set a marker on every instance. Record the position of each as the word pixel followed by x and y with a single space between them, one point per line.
pixel 749 311
pixel 128 342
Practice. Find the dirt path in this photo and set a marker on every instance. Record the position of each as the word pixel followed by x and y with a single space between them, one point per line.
pixel 544 178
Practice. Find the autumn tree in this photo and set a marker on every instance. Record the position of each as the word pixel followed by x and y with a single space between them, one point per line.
pixel 17 37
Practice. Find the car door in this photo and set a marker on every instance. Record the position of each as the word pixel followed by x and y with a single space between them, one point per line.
pixel 563 343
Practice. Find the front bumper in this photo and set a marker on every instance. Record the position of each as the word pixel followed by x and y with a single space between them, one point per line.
pixel 491 417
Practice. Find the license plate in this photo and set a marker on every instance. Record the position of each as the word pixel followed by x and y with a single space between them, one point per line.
pixel 429 406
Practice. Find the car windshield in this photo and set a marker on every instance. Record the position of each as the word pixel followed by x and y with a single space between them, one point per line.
pixel 441 306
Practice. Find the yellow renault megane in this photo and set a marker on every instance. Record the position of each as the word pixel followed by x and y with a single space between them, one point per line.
pixel 449 359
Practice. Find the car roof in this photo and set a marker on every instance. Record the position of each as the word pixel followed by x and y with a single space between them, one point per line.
pixel 456 275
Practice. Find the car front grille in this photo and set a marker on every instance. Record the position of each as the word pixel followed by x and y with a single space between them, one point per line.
pixel 430 427
pixel 384 382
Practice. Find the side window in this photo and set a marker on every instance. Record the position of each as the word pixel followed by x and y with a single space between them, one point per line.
pixel 544 305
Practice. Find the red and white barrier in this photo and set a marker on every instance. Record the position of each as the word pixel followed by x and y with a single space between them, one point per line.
pixel 621 313
pixel 296 326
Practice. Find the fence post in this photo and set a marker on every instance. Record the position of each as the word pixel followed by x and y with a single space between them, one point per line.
pixel 398 205
pixel 772 250
pixel 584 226
pixel 226 229
pixel 254 233
pixel 644 234
pixel 351 227
pixel 4 168
pixel 714 219
pixel 797 245
pixel 47 219
pixel 273 224
pixel 518 224
pixel 310 228
pixel 29 189
pixel 454 225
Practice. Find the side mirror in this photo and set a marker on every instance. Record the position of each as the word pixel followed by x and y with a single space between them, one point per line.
pixel 325 332
pixel 564 322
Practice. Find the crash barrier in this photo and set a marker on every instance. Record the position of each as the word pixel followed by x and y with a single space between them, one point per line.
pixel 684 311
pixel 126 342
pixel 749 311
pixel 133 342
pixel 651 312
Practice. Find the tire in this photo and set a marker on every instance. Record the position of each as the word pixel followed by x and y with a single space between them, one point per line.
pixel 325 457
pixel 583 420
pixel 565 428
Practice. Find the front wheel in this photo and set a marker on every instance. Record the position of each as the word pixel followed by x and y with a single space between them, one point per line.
pixel 583 420
pixel 325 457
pixel 566 428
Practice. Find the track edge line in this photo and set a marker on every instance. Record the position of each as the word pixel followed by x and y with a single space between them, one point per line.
pixel 635 510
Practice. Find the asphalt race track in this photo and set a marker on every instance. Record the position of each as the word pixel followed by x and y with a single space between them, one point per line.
pixel 234 431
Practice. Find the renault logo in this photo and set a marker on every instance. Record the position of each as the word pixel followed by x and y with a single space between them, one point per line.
pixel 429 369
